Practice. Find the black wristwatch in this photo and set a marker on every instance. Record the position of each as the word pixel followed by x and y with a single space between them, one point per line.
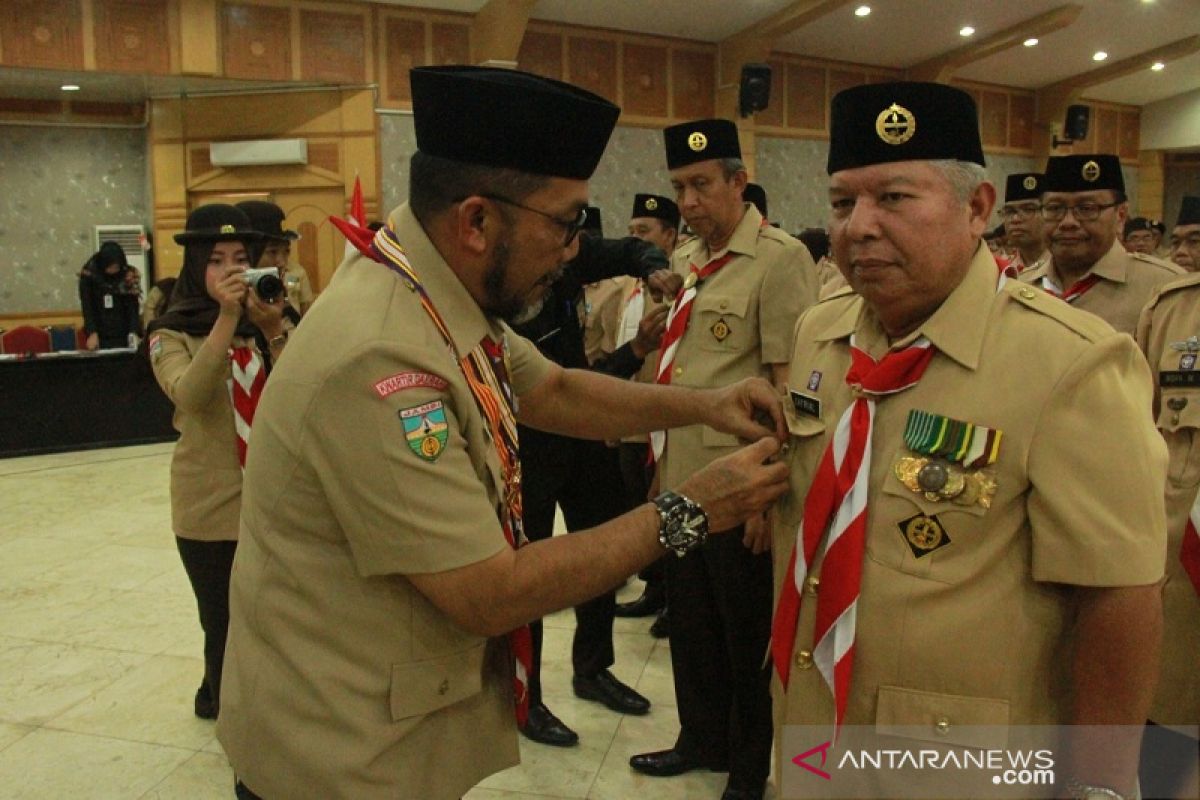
pixel 682 523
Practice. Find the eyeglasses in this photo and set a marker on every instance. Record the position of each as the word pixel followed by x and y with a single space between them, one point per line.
pixel 1019 212
pixel 1084 212
pixel 570 228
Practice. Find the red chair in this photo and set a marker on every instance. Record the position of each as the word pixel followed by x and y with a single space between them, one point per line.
pixel 80 339
pixel 25 339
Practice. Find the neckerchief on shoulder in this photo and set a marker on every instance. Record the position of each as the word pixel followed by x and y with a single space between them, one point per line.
pixel 486 372
pixel 1077 290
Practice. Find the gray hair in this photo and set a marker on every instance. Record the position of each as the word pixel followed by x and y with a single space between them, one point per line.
pixel 731 166
pixel 964 176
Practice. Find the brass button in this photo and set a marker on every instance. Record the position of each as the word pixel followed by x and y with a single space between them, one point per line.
pixel 679 370
pixel 810 585
pixel 943 726
pixel 1174 419
pixel 804 659
pixel 445 687
pixel 1028 294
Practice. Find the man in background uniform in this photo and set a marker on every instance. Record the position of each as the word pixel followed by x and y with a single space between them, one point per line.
pixel 1084 206
pixel 1185 236
pixel 1023 225
pixel 947 560
pixel 1139 237
pixel 744 285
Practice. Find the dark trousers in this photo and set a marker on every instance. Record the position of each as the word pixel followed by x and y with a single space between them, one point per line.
pixel 720 601
pixel 583 478
pixel 636 476
pixel 208 566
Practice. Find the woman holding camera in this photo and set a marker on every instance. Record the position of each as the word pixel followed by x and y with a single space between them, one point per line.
pixel 205 358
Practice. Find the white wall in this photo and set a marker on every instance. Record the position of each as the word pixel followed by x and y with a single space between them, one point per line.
pixel 1172 124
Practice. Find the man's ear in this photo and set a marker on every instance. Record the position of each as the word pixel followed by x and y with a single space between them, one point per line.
pixel 980 204
pixel 475 224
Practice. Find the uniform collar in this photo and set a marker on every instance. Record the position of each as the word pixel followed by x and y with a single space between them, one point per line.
pixel 957 328
pixel 1112 266
pixel 463 316
pixel 745 235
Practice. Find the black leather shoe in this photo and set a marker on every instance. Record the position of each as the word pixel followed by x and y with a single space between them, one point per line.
pixel 742 794
pixel 542 726
pixel 653 598
pixel 661 628
pixel 604 688
pixel 668 763
pixel 203 705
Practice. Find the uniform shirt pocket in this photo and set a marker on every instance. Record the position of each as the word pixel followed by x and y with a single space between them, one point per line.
pixel 1179 419
pixel 719 322
pixel 422 687
pixel 949 719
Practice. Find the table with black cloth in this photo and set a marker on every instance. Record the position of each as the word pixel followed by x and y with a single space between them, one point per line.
pixel 55 402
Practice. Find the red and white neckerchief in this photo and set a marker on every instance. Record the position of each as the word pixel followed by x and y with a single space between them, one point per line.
pixel 246 380
pixel 677 322
pixel 1189 552
pixel 837 503
pixel 1077 290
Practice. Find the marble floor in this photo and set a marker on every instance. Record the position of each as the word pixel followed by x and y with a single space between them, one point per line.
pixel 100 656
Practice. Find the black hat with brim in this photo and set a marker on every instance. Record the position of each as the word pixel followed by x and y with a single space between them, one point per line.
pixel 217 222
pixel 656 206
pixel 881 123
pixel 1084 173
pixel 511 120
pixel 267 219
pixel 753 193
pixel 1189 211
pixel 1023 186
pixel 700 140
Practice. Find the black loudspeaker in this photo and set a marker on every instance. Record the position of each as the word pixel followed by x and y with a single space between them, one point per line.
pixel 754 91
pixel 1076 127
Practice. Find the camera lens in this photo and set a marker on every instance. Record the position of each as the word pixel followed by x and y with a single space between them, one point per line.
pixel 268 287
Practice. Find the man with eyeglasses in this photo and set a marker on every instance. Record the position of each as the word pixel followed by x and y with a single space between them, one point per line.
pixel 1023 225
pixel 1139 236
pixel 1185 236
pixel 738 289
pixel 378 644
pixel 1084 206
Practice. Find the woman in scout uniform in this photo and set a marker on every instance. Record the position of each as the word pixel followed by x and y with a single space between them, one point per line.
pixel 205 359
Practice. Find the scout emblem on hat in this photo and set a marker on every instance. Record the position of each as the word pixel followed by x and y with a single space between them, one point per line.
pixel 720 330
pixel 1090 172
pixel 1029 183
pixel 895 124
pixel 924 534
pixel 651 204
pixel 425 429
pixel 657 207
pixel 697 141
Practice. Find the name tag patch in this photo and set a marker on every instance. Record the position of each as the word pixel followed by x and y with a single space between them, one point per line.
pixel 806 404
pixel 409 380
pixel 1180 378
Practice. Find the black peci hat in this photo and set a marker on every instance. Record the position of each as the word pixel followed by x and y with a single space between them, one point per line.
pixel 217 222
pixel 1136 224
pixel 1084 173
pixel 510 119
pixel 701 140
pixel 1189 211
pixel 1023 186
pixel 657 206
pixel 757 195
pixel 267 219
pixel 592 223
pixel 904 121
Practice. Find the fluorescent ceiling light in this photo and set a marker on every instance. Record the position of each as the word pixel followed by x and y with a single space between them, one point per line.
pixel 862 11
pixel 70 87
pixel 1158 66
pixel 1031 41
pixel 966 30
pixel 1099 55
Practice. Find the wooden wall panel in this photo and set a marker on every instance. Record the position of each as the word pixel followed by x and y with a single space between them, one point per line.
pixel 840 79
pixel 1020 121
pixel 773 114
pixel 644 80
pixel 1107 134
pixel 42 33
pixel 694 84
pixel 404 48
pixel 256 42
pixel 131 36
pixel 806 97
pixel 325 155
pixel 1129 137
pixel 993 119
pixel 542 54
pixel 592 65
pixel 451 43
pixel 333 47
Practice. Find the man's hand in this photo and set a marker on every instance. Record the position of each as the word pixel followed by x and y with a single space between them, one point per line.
pixel 757 538
pixel 650 332
pixel 93 341
pixel 663 283
pixel 739 486
pixel 749 409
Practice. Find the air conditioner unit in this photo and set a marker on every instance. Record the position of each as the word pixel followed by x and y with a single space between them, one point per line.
pixel 132 239
pixel 258 152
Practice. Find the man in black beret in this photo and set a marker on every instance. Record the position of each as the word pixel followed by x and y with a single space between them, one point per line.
pixel 378 643
pixel 1023 226
pixel 1138 236
pixel 949 564
pixel 1185 236
pixel 739 287
pixel 1084 207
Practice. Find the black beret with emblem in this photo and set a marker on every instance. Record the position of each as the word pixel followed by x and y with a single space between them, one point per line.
pixel 701 140
pixel 657 206
pixel 1189 212
pixel 217 222
pixel 904 121
pixel 1023 186
pixel 510 119
pixel 758 196
pixel 592 222
pixel 1084 173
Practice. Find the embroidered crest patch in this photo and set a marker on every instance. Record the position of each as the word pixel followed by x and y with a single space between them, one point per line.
pixel 425 429
pixel 155 347
pixel 720 330
pixel 924 534
pixel 409 380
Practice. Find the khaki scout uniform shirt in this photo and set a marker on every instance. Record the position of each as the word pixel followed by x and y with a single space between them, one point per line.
pixel 974 632
pixel 341 679
pixel 1127 282
pixel 759 295
pixel 599 331
pixel 1173 318
pixel 206 479
pixel 299 290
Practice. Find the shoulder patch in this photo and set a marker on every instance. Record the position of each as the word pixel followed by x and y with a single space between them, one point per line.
pixel 1086 325
pixel 426 429
pixel 409 380
pixel 155 346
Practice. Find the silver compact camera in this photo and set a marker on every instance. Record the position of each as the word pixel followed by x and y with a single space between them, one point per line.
pixel 265 282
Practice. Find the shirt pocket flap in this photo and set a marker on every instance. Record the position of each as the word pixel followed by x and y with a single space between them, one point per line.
pixel 979 722
pixel 803 425
pixel 424 686
pixel 732 304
